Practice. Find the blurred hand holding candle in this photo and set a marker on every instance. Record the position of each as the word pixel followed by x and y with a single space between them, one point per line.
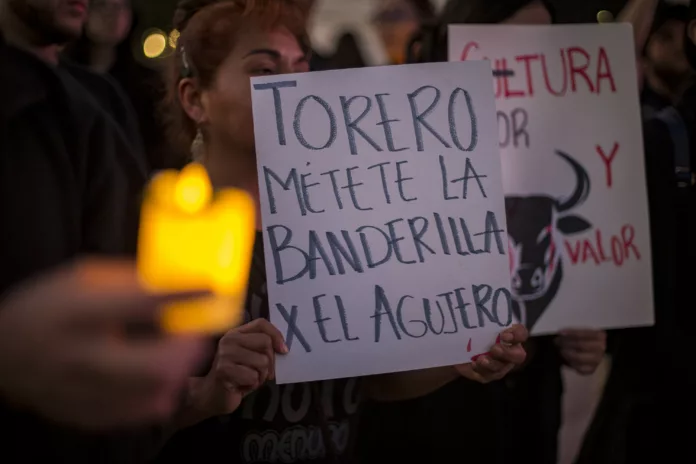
pixel 193 239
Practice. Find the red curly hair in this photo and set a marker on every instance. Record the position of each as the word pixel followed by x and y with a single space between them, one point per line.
pixel 208 31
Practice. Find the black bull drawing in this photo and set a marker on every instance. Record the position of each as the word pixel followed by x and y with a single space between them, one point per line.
pixel 536 226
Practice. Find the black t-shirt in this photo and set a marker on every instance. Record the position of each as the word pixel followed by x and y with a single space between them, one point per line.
pixel 462 422
pixel 295 423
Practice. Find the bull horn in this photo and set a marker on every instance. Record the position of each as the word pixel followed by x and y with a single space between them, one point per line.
pixel 582 188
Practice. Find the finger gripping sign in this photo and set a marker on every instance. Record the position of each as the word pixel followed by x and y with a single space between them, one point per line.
pixel 573 171
pixel 383 217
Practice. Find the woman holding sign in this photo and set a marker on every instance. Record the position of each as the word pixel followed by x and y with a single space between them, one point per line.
pixel 235 410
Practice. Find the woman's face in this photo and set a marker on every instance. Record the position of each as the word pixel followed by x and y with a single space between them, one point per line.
pixel 227 103
pixel 534 13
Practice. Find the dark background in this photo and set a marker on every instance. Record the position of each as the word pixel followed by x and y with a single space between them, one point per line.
pixel 159 13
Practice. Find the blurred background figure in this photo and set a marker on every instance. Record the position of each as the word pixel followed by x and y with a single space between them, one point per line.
pixel 396 21
pixel 107 47
pixel 665 65
pixel 108 26
pixel 70 184
pixel 348 54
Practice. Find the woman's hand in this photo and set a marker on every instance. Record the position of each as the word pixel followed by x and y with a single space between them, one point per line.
pixel 582 350
pixel 244 361
pixel 503 357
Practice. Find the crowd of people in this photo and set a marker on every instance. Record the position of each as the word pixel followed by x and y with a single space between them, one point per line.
pixel 85 374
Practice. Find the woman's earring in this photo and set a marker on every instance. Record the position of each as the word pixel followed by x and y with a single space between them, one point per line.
pixel 198 147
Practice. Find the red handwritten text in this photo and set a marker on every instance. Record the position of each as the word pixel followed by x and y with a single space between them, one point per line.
pixel 616 250
pixel 608 160
pixel 580 71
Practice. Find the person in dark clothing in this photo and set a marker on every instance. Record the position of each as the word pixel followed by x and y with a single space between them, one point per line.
pixel 106 48
pixel 234 411
pixel 116 104
pixel 60 147
pixel 69 183
pixel 665 66
pixel 651 101
pixel 638 419
pixel 643 414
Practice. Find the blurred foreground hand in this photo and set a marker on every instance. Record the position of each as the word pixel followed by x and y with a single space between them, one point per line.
pixel 67 352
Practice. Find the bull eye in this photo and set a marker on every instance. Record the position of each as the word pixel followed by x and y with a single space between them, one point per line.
pixel 516 282
pixel 537 278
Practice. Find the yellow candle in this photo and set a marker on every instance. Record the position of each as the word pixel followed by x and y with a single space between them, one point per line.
pixel 193 239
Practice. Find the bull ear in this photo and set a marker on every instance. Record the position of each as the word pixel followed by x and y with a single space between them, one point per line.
pixel 572 225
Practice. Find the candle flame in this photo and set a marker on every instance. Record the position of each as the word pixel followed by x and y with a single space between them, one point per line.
pixel 193 190
pixel 194 239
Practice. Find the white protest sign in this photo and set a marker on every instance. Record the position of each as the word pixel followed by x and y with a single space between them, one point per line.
pixel 383 218
pixel 573 171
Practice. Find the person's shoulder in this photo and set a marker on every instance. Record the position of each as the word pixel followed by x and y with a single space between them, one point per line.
pixel 101 86
pixel 82 93
pixel 24 81
pixel 104 88
pixel 102 99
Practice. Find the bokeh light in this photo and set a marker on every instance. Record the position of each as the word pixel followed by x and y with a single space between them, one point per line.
pixel 155 44
pixel 605 16
pixel 174 38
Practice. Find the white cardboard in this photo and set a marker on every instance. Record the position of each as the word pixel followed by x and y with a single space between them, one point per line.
pixel 354 352
pixel 605 283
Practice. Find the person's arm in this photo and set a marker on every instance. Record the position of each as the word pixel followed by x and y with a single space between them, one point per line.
pixel 641 14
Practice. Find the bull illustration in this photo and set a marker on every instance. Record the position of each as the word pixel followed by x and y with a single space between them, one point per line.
pixel 536 226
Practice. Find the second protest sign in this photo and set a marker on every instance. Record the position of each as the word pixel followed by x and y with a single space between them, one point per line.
pixel 573 171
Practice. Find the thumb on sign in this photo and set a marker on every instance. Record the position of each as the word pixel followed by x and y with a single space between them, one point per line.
pixel 507 354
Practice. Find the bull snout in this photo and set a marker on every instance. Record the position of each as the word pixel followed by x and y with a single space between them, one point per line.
pixel 529 281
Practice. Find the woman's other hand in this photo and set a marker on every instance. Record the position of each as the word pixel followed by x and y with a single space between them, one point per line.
pixel 582 350
pixel 244 361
